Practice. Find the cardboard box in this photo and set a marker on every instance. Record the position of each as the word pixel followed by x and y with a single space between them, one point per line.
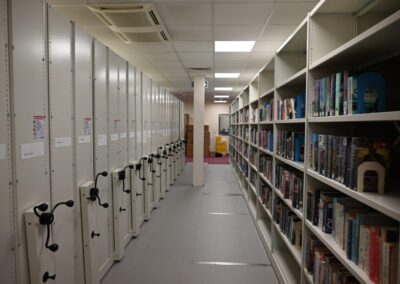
pixel 207 135
pixel 186 119
pixel 189 127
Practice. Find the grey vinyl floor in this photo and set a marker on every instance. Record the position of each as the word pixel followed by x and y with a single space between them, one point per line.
pixel 195 236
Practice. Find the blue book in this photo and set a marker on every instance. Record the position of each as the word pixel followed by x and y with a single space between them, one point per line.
pixel 370 92
pixel 300 106
pixel 299 147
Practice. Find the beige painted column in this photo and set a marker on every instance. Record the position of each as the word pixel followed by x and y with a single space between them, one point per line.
pixel 198 131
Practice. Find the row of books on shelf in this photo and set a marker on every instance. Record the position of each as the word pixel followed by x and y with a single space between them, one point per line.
pixel 253 177
pixel 369 238
pixel 266 110
pixel 346 93
pixel 266 139
pixel 324 266
pixel 289 224
pixel 253 114
pixel 266 195
pixel 244 166
pixel 290 183
pixel 290 145
pixel 253 156
pixel 253 135
pixel 359 163
pixel 291 108
pixel 265 166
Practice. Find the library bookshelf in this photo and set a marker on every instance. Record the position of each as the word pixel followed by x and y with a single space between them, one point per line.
pixel 337 35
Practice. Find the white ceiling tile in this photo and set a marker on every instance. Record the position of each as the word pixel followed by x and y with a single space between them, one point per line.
pixel 228 69
pixel 198 63
pixel 181 14
pixel 242 14
pixel 268 46
pixel 291 13
pixel 153 46
pixel 262 56
pixel 160 56
pixel 190 33
pixel 231 56
pixel 185 56
pixel 167 63
pixel 229 63
pixel 194 46
pixel 277 32
pixel 173 72
pixel 237 32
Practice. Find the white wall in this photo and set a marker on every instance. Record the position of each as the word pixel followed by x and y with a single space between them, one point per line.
pixel 211 115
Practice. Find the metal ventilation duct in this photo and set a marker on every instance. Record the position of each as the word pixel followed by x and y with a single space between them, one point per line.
pixel 132 22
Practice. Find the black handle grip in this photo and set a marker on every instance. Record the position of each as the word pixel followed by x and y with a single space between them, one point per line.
pixel 47 276
pixel 138 194
pixel 93 234
pixel 122 209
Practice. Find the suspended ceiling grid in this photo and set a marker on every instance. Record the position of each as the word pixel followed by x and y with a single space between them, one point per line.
pixel 193 26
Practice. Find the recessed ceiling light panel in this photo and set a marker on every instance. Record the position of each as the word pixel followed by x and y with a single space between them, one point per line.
pixel 227 75
pixel 223 88
pixel 234 46
pixel 220 102
pixel 221 96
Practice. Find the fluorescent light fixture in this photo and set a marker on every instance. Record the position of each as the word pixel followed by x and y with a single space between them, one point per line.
pixel 234 46
pixel 220 102
pixel 227 75
pixel 221 96
pixel 223 88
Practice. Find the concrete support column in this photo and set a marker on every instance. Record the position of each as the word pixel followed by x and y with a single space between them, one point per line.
pixel 198 131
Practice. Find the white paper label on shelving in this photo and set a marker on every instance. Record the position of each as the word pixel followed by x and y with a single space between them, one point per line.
pixel 2 151
pixel 102 140
pixel 63 142
pixel 32 150
pixel 114 137
pixel 122 135
pixel 84 139
pixel 132 134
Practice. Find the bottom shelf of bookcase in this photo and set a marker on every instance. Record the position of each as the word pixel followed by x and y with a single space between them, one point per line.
pixel 265 228
pixel 288 266
pixel 296 252
pixel 340 254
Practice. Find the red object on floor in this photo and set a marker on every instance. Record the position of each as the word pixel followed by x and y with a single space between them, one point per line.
pixel 216 161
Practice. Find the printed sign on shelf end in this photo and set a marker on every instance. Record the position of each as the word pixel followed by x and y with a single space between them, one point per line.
pixel 84 139
pixel 32 150
pixel 102 140
pixel 62 142
pixel 38 127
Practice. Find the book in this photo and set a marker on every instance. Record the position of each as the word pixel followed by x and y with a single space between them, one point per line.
pixel 370 92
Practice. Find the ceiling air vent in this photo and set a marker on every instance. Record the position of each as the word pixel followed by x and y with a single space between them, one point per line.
pixel 132 23
pixel 206 71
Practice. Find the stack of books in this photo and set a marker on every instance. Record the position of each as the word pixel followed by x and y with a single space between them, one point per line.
pixel 265 166
pixel 289 224
pixel 290 183
pixel 323 265
pixel 290 145
pixel 266 195
pixel 291 108
pixel 266 139
pixel 344 159
pixel 369 238
pixel 344 93
pixel 267 111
